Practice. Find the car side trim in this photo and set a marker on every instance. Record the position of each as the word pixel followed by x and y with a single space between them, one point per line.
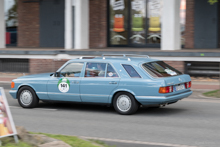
pixel 93 95
pixel 63 93
pixel 151 97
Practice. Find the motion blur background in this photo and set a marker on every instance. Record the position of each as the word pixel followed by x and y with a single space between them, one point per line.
pixel 183 33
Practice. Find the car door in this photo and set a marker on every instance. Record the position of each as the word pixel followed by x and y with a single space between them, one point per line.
pixel 97 84
pixel 66 87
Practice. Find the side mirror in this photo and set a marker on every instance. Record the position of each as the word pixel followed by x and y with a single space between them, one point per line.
pixel 57 74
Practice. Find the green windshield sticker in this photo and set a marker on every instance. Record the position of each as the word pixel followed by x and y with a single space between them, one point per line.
pixel 63 85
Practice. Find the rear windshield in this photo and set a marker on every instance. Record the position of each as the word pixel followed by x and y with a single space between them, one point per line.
pixel 160 69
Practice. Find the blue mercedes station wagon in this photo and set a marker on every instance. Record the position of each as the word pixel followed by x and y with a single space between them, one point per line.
pixel 125 82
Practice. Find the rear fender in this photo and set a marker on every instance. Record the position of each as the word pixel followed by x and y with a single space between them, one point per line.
pixel 119 90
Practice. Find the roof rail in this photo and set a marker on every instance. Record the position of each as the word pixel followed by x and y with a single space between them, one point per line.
pixel 125 55
pixel 86 57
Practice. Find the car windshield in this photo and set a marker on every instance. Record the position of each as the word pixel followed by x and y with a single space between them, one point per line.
pixel 160 69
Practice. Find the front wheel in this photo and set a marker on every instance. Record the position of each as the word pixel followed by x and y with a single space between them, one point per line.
pixel 125 103
pixel 27 97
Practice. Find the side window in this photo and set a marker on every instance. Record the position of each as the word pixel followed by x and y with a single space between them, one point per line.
pixel 111 72
pixel 95 69
pixel 131 71
pixel 72 70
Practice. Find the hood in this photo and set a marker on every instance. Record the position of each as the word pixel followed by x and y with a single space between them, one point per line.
pixel 36 75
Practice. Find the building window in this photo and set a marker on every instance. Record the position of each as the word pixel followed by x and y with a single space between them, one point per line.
pixel 118 22
pixel 138 22
pixel 154 21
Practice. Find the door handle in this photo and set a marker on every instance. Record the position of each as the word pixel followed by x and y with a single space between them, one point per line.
pixel 113 82
pixel 75 82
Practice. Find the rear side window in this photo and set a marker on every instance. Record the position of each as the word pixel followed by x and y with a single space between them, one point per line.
pixel 131 71
pixel 95 69
pixel 160 69
pixel 111 72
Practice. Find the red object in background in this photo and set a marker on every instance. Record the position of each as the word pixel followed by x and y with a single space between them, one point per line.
pixel 8 37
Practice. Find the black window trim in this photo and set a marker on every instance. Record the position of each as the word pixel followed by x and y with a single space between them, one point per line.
pixel 134 69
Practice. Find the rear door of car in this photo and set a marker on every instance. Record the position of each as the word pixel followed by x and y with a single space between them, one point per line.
pixel 99 80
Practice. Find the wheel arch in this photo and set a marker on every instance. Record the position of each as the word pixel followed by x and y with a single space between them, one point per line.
pixel 121 90
pixel 26 85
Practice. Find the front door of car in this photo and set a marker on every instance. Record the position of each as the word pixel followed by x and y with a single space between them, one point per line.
pixel 97 84
pixel 66 87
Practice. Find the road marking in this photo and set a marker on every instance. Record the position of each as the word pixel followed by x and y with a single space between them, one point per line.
pixel 17 107
pixel 136 142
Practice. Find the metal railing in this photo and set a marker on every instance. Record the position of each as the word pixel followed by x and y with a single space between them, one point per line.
pixel 14 65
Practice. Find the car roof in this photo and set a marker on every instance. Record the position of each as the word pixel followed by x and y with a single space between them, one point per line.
pixel 124 60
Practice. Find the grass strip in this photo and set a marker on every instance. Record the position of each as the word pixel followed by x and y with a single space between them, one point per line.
pixel 75 141
pixel 214 93
pixel 71 140
pixel 9 142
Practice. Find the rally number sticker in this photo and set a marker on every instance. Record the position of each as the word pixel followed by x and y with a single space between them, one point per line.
pixel 64 85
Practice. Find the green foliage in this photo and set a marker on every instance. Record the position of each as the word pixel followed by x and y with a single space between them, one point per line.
pixel 9 142
pixel 215 93
pixel 212 2
pixel 72 140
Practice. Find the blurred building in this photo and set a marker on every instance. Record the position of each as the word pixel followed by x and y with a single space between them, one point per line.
pixel 123 24
pixel 83 24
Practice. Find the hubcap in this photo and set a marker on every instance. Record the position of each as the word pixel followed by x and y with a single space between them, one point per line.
pixel 26 97
pixel 124 103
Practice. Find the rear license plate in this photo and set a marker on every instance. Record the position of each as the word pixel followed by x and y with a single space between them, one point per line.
pixel 179 87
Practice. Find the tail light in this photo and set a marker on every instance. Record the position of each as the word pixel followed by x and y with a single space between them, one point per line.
pixel 188 85
pixel 12 85
pixel 167 89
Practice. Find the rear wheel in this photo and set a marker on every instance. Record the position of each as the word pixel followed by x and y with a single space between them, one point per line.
pixel 125 103
pixel 27 97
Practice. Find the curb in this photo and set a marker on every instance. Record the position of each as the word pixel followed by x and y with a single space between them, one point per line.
pixel 208 97
pixel 5 82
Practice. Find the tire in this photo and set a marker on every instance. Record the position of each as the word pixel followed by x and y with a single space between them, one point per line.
pixel 27 97
pixel 125 103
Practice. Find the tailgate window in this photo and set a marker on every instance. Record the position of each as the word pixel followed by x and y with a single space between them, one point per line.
pixel 160 69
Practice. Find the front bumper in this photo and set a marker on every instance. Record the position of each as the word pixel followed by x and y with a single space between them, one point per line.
pixel 13 93
pixel 157 100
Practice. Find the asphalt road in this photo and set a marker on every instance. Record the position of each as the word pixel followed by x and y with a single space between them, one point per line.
pixel 190 122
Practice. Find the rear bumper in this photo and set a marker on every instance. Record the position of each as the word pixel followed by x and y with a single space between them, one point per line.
pixel 155 100
pixel 13 93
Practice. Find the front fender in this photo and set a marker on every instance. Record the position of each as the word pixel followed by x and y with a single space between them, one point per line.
pixel 119 90
pixel 26 84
